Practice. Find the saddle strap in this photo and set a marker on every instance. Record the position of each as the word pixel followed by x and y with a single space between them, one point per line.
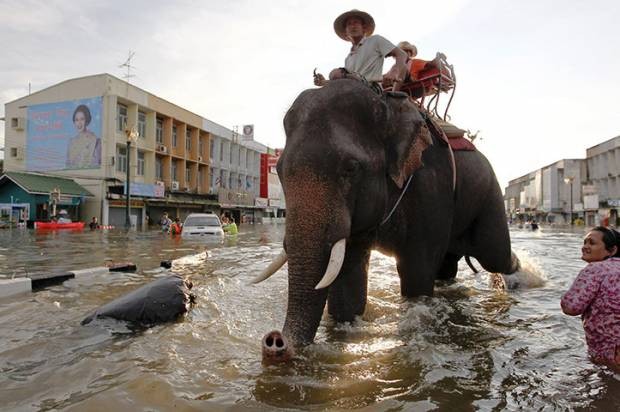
pixel 436 130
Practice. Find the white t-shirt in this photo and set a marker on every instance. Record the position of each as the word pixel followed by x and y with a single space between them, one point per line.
pixel 366 59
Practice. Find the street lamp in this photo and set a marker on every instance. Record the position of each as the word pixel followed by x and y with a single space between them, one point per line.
pixel 132 135
pixel 569 180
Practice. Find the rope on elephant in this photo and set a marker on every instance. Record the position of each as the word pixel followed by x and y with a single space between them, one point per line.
pixel 436 130
pixel 398 201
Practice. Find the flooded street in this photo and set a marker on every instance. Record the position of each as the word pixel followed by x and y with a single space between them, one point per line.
pixel 468 348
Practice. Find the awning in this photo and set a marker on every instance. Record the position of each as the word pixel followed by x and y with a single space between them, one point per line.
pixel 180 200
pixel 38 184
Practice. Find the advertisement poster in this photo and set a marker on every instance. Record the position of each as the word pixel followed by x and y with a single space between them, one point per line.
pixel 64 135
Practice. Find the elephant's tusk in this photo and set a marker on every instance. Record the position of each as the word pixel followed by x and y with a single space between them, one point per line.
pixel 336 258
pixel 273 267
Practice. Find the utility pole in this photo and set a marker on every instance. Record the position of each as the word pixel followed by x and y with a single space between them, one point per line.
pixel 569 181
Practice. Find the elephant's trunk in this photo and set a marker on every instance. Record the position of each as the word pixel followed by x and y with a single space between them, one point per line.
pixel 276 348
pixel 305 303
pixel 317 221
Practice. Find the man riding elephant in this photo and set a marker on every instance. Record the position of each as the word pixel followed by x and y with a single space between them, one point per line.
pixel 361 172
pixel 368 51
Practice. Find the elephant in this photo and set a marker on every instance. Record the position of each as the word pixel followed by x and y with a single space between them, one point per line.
pixel 361 171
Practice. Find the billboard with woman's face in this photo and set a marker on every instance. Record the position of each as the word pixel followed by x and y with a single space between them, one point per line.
pixel 64 135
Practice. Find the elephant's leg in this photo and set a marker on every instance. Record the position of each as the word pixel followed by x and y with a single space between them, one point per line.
pixel 448 269
pixel 417 270
pixel 347 295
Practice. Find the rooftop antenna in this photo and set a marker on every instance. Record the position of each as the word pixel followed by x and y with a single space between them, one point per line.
pixel 128 65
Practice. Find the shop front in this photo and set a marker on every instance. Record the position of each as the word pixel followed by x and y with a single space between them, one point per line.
pixel 29 197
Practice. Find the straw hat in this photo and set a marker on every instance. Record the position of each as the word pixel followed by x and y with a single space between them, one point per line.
pixel 341 22
pixel 408 47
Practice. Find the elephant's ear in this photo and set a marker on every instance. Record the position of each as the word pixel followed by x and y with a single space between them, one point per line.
pixel 408 137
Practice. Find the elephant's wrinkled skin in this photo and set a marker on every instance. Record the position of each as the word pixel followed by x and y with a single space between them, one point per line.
pixel 348 153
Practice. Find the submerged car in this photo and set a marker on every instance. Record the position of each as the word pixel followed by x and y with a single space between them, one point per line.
pixel 202 224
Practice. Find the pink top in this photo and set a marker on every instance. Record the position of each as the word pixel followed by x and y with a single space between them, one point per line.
pixel 595 295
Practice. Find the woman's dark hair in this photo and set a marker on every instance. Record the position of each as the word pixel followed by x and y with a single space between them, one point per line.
pixel 611 238
pixel 84 109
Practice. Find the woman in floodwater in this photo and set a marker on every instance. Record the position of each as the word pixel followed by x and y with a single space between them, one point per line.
pixel 595 295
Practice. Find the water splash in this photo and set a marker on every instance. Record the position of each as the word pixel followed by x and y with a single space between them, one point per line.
pixel 531 275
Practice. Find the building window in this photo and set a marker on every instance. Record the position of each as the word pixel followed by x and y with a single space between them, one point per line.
pixel 232 149
pixel 223 178
pixel 188 140
pixel 231 181
pixel 212 182
pixel 211 148
pixel 159 169
pixel 221 151
pixel 174 171
pixel 140 167
pixel 13 151
pixel 201 146
pixel 121 116
pixel 142 124
pixel 159 131
pixel 187 176
pixel 174 135
pixel 200 172
pixel 121 159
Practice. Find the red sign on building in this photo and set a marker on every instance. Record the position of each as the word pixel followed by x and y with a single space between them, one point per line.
pixel 268 163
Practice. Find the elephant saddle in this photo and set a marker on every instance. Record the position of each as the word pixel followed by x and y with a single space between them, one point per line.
pixel 455 136
pixel 429 77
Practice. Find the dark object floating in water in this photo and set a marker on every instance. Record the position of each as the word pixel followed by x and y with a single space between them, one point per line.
pixel 162 300
pixel 167 264
pixel 122 267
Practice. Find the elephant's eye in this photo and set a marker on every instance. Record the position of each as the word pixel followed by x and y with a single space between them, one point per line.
pixel 350 168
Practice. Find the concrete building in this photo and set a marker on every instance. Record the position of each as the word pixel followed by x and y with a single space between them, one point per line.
pixel 178 161
pixel 588 188
pixel 550 194
pixel 603 186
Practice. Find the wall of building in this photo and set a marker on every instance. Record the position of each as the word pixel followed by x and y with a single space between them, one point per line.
pixel 189 166
pixel 592 183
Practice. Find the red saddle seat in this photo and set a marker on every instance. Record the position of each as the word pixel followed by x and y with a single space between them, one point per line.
pixel 428 77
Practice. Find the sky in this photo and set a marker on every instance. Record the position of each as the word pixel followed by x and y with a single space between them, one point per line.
pixel 538 78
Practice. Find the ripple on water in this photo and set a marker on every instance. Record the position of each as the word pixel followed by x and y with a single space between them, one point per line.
pixel 469 347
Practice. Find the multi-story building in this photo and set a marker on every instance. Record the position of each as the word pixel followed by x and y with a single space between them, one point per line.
pixel 603 162
pixel 551 194
pixel 586 188
pixel 178 161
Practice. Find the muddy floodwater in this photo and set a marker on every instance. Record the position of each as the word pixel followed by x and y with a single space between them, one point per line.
pixel 470 347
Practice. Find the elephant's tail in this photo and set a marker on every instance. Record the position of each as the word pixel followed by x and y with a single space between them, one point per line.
pixel 471 265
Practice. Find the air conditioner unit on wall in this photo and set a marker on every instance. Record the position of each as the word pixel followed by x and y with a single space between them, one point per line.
pixel 159 183
pixel 18 123
pixel 175 185
pixel 19 155
pixel 162 148
pixel 200 158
